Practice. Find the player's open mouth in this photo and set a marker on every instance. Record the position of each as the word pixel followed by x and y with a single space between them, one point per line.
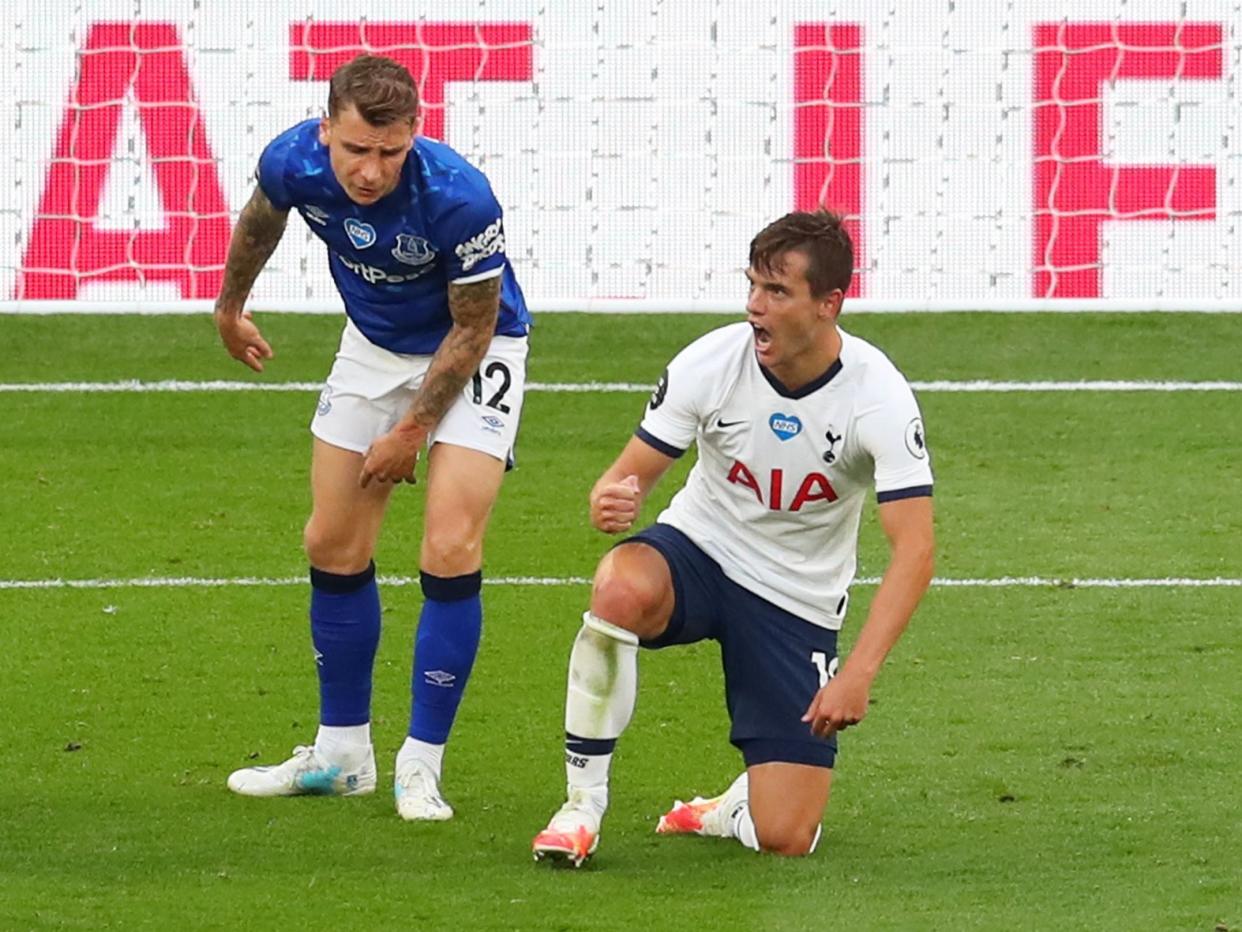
pixel 763 339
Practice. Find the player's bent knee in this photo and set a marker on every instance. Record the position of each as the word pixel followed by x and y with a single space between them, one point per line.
pixel 333 553
pixel 451 553
pixel 629 602
pixel 789 846
pixel 791 841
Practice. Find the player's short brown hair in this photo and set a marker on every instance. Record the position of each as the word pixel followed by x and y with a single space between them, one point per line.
pixel 820 236
pixel 380 89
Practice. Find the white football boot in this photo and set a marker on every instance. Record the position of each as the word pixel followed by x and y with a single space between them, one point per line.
pixel 418 794
pixel 306 773
pixel 706 816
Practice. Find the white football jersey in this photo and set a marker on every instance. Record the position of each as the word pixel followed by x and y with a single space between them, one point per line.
pixel 776 495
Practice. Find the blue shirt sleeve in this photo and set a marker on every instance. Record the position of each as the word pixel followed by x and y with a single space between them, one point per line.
pixel 472 236
pixel 271 173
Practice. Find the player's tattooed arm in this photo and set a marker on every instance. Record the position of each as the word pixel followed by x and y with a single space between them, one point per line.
pixel 259 229
pixel 474 307
pixel 392 457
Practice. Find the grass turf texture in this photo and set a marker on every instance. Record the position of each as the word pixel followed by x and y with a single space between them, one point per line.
pixel 1036 758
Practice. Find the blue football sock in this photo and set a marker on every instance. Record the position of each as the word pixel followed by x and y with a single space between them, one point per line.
pixel 444 651
pixel 345 629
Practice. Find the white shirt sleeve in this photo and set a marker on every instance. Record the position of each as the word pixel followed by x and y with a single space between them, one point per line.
pixel 892 432
pixel 675 410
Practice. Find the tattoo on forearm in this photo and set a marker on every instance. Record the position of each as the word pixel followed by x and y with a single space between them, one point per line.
pixel 259 229
pixel 474 308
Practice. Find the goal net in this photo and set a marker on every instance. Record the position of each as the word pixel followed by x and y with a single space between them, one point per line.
pixel 988 155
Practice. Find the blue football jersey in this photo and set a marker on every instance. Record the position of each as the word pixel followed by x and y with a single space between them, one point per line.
pixel 393 260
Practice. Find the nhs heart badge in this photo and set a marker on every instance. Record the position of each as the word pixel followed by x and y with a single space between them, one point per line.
pixel 360 234
pixel 785 426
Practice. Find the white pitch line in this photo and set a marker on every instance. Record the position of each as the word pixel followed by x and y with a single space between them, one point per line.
pixel 136 386
pixel 947 385
pixel 1001 582
pixel 1088 386
pixel 1036 582
pixel 219 582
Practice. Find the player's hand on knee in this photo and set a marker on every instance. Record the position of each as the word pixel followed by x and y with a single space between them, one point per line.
pixel 241 337
pixel 838 705
pixel 391 458
pixel 614 507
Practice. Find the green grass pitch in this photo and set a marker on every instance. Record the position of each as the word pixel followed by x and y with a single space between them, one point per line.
pixel 1037 757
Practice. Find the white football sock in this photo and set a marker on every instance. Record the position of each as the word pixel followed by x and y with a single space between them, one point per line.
pixel 742 827
pixel 819 830
pixel 599 701
pixel 343 744
pixel 587 771
pixel 735 806
pixel 432 755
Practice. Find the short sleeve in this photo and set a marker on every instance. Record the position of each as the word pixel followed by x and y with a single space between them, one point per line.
pixel 472 236
pixel 671 421
pixel 271 175
pixel 892 433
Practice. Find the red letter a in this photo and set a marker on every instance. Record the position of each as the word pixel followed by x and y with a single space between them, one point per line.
pixel 66 248
pixel 740 475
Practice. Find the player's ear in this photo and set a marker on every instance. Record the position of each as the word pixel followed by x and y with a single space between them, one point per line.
pixel 325 131
pixel 831 307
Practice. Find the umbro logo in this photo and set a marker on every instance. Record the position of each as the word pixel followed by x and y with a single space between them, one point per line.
pixel 439 678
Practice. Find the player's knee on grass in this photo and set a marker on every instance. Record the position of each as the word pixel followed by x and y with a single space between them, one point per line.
pixel 629 597
pixel 786 802
pixel 789 838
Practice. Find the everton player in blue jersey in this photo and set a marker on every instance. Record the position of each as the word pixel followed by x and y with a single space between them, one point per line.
pixel 433 355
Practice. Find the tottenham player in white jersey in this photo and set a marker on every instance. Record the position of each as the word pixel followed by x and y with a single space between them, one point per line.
pixel 796 422
pixel 433 354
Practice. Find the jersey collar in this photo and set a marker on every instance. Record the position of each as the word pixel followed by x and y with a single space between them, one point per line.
pixel 807 389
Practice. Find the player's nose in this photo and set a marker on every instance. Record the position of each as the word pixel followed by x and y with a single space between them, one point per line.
pixel 754 301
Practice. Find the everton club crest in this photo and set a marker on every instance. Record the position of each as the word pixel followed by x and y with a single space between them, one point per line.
pixel 412 250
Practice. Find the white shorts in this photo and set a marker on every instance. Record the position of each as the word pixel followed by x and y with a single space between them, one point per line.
pixel 370 388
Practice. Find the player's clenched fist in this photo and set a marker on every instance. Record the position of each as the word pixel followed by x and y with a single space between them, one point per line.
pixel 614 506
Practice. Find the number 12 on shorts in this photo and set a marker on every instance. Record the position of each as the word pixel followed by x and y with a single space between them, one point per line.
pixel 827 670
pixel 497 400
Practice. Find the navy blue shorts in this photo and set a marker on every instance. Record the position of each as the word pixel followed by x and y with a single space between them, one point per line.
pixel 774 662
